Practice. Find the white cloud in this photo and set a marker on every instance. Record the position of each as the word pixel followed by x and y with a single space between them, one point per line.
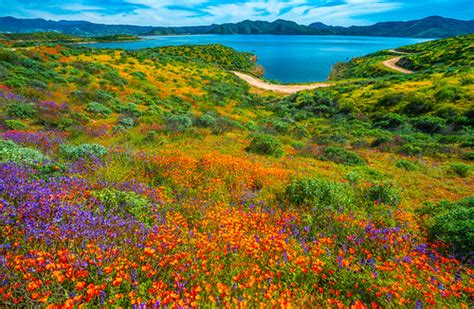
pixel 159 13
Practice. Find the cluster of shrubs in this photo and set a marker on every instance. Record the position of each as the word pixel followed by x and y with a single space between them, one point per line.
pixel 322 193
pixel 182 122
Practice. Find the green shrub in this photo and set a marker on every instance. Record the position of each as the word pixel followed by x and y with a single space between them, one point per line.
pixel 341 156
pixel 130 109
pixel 113 76
pixel 382 194
pixel 318 192
pixel 206 121
pixel 451 223
pixel 21 110
pixel 86 151
pixel 410 150
pixel 251 126
pixel 456 228
pixel 9 151
pixel 449 93
pixel 265 145
pixel 460 169
pixel 353 177
pixel 390 121
pixel 431 210
pixel 98 109
pixel 127 203
pixel 390 100
pixel 127 122
pixel 139 75
pixel 469 156
pixel 406 165
pixel 381 140
pixel 429 124
pixel 417 106
pixel 224 124
pixel 103 96
pixel 15 125
pixel 178 123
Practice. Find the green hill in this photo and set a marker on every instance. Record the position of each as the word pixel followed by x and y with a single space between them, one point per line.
pixel 430 27
pixel 434 56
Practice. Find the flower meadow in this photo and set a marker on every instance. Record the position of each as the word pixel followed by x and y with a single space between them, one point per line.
pixel 68 242
pixel 145 180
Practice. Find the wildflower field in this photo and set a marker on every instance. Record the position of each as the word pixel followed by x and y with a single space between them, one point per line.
pixel 156 178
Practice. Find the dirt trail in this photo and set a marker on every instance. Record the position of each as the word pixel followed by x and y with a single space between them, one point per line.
pixel 398 52
pixel 392 64
pixel 278 88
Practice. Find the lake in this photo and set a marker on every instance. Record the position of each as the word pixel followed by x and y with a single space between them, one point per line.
pixel 286 58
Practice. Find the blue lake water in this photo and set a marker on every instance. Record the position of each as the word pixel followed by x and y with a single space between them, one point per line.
pixel 287 58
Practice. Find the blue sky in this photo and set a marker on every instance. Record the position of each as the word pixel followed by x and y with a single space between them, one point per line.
pixel 203 12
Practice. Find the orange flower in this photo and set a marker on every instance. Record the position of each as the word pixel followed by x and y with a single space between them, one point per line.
pixel 33 285
pixel 117 281
pixel 150 251
pixel 80 285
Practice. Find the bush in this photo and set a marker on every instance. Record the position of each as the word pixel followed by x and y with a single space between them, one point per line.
pixel 451 223
pixel 390 121
pixel 15 125
pixel 469 156
pixel 127 203
pixel 460 169
pixel 130 109
pixel 265 145
pixel 206 121
pixel 341 156
pixel 178 123
pixel 382 194
pixel 455 228
pixel 127 122
pixel 11 152
pixel 449 93
pixel 390 100
pixel 86 151
pixel 417 106
pixel 410 150
pixel 429 124
pixel 98 109
pixel 318 192
pixel 406 165
pixel 224 124
pixel 21 110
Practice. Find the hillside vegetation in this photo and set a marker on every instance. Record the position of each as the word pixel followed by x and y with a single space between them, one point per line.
pixel 38 38
pixel 158 178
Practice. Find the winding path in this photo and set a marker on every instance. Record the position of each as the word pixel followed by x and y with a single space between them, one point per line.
pixel 288 89
pixel 392 64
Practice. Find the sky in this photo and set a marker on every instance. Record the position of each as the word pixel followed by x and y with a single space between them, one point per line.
pixel 205 12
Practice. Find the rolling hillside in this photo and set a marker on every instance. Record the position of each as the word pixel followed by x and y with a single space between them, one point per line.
pixel 158 178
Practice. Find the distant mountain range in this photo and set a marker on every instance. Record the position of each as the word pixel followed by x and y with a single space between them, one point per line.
pixel 430 27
